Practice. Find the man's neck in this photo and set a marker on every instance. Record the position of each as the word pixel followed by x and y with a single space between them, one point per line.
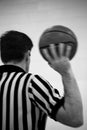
pixel 19 64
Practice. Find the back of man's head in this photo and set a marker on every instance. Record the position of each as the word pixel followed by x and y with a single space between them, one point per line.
pixel 13 45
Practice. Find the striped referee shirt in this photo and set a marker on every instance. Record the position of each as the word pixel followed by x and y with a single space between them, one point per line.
pixel 26 100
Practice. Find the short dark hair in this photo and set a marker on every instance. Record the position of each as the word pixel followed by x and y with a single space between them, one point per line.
pixel 13 45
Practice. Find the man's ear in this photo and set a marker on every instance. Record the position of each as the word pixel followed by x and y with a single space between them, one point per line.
pixel 27 55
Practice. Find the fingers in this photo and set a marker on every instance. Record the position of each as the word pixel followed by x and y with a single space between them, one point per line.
pixel 61 49
pixel 53 51
pixel 46 55
pixel 64 50
pixel 68 51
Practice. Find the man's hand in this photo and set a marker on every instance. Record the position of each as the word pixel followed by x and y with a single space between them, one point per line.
pixel 58 61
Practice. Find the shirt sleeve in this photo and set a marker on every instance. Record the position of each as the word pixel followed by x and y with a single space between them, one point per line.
pixel 45 96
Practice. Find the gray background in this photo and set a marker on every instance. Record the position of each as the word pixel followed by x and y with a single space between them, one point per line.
pixel 32 17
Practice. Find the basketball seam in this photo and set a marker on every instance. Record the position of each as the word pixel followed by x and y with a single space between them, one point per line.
pixel 57 44
pixel 60 31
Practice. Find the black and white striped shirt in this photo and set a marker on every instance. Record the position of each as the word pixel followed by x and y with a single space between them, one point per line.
pixel 26 100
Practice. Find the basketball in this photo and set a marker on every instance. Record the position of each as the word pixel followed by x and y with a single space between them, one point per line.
pixel 56 35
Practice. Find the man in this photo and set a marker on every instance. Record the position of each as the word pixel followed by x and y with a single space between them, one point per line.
pixel 26 99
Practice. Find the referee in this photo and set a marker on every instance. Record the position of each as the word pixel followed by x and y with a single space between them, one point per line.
pixel 27 99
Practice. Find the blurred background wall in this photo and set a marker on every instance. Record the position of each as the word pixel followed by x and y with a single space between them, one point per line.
pixel 33 17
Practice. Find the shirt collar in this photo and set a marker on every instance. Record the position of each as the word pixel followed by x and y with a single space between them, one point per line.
pixel 10 68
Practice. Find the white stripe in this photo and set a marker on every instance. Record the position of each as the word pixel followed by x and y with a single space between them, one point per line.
pixel 4 77
pixel 45 90
pixel 55 95
pixel 38 95
pixel 20 112
pixel 37 112
pixel 12 102
pixel 29 120
pixel 42 108
pixel 1 81
pixel 4 102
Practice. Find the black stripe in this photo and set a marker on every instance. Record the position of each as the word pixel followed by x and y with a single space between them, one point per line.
pixel 1 74
pixel 48 87
pixel 16 102
pixel 57 92
pixel 45 96
pixel 24 103
pixel 56 108
pixel 1 98
pixel 37 100
pixel 33 116
pixel 39 120
pixel 8 104
pixel 42 121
